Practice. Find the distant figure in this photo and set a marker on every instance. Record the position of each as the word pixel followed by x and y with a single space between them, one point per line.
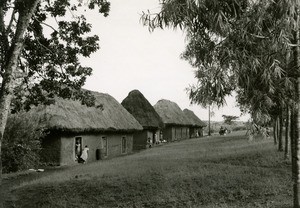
pixel 84 155
pixel 226 131
pixel 149 142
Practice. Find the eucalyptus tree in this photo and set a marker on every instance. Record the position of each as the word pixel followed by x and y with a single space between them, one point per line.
pixel 246 42
pixel 41 42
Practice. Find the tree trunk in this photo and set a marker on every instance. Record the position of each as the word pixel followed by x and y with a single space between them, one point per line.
pixel 294 154
pixel 275 130
pixel 287 133
pixel 11 66
pixel 293 136
pixel 209 121
pixel 280 133
pixel 296 176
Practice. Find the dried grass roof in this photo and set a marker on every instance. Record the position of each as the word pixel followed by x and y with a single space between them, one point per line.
pixel 193 118
pixel 171 114
pixel 142 110
pixel 72 116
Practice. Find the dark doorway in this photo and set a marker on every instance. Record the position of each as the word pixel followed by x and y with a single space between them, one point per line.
pixel 78 147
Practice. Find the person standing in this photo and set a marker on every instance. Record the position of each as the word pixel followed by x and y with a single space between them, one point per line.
pixel 84 154
pixel 77 150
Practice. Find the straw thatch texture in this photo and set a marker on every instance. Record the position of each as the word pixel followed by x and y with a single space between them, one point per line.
pixel 170 113
pixel 71 116
pixel 193 118
pixel 136 104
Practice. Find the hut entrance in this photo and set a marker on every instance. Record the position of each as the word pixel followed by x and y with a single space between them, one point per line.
pixel 78 147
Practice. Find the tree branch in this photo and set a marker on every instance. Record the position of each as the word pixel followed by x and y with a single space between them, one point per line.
pixel 37 39
pixel 43 23
pixel 10 22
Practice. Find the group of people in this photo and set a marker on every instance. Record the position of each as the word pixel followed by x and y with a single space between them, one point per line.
pixel 81 156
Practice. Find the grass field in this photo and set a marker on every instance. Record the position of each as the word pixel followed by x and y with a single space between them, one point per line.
pixel 210 172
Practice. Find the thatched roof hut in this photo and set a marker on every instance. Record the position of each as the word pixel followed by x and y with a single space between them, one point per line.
pixel 71 116
pixel 193 118
pixel 171 114
pixel 136 104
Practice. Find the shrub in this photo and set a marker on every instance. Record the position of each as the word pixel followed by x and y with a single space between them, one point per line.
pixel 21 144
pixel 239 128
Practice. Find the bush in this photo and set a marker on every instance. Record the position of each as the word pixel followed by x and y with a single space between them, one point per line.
pixel 21 144
pixel 239 128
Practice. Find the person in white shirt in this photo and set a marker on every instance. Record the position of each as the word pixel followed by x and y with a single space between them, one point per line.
pixel 84 154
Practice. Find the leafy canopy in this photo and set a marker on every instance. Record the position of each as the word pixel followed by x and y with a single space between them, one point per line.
pixel 207 24
pixel 57 37
pixel 243 46
pixel 229 119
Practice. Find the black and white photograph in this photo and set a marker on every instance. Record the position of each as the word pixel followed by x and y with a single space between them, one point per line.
pixel 149 104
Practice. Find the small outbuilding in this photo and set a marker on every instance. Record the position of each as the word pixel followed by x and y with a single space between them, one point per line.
pixel 196 130
pixel 107 129
pixel 175 121
pixel 141 109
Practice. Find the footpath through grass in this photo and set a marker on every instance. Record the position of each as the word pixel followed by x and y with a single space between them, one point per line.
pixel 211 172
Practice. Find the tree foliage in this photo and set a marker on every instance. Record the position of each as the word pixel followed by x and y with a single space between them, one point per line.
pixel 242 46
pixel 207 25
pixel 57 37
pixel 229 119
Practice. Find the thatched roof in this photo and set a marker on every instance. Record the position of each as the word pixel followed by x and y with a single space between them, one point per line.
pixel 136 104
pixel 193 118
pixel 170 113
pixel 72 116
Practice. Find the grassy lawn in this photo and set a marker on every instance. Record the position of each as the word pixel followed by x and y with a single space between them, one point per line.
pixel 220 171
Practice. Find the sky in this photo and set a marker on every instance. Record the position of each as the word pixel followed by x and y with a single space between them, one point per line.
pixel 130 57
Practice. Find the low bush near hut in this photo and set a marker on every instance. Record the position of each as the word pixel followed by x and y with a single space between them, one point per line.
pixel 21 144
